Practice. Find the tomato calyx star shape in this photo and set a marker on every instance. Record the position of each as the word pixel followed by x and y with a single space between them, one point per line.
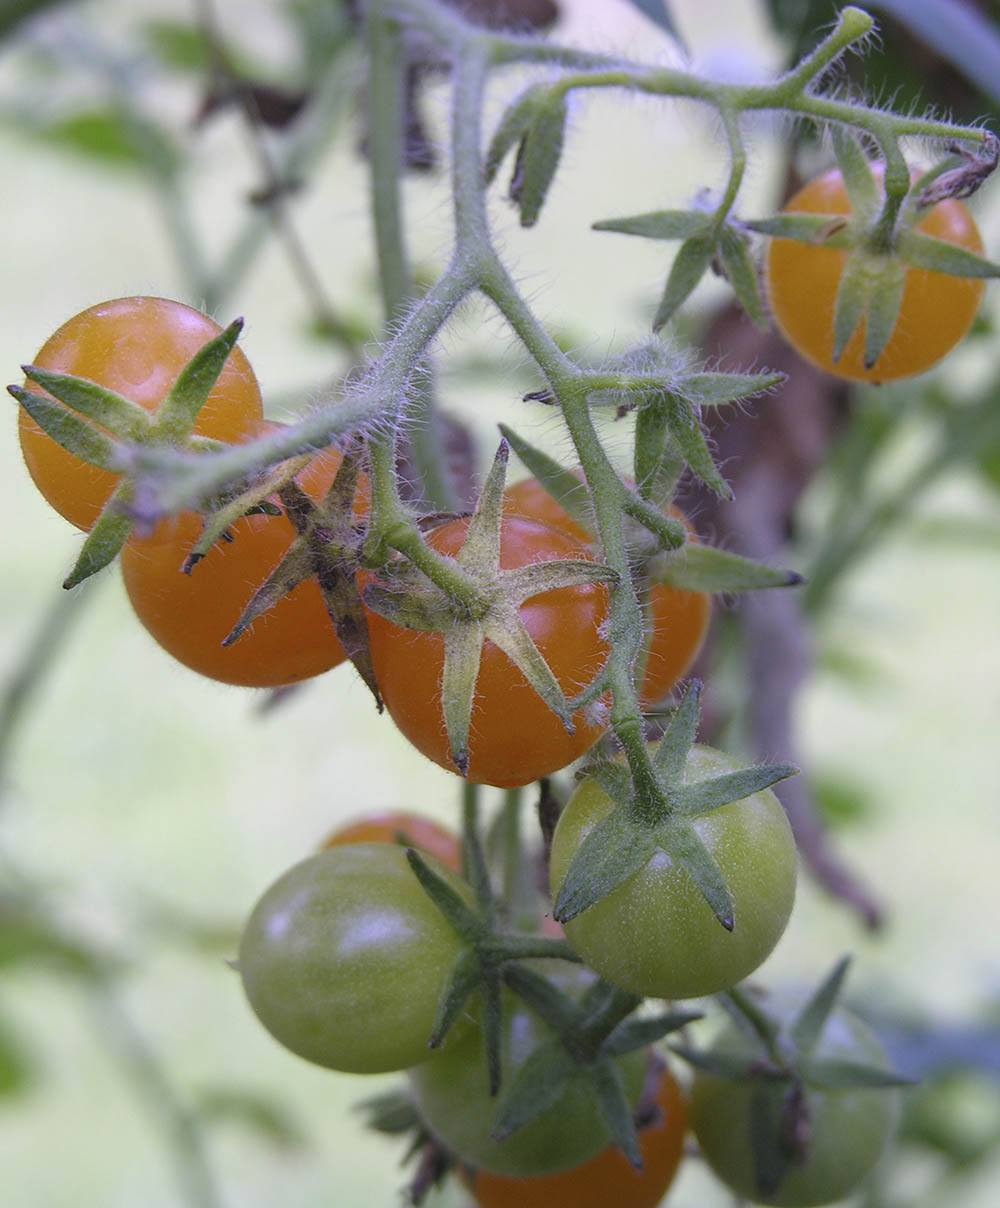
pixel 489 610
pixel 627 838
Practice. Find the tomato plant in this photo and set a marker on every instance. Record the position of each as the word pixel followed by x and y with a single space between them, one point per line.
pixel 515 737
pixel 803 279
pixel 401 827
pixel 189 615
pixel 344 959
pixel 136 347
pixel 678 619
pixel 655 934
pixel 453 1097
pixel 606 1179
pixel 846 1130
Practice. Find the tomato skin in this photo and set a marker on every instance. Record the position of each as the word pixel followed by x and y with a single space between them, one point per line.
pixel 848 1131
pixel 190 615
pixel 679 619
pixel 452 1095
pixel 514 737
pixel 345 956
pixel 655 934
pixel 135 346
pixel 395 826
pixel 607 1180
pixel 803 279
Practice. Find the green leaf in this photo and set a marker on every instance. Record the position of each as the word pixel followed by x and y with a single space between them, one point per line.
pixel 687 270
pixel 513 126
pixel 17 1070
pixel 67 429
pixel 883 311
pixel 105 540
pixel 616 1111
pixel 105 135
pixel 837 1073
pixel 705 568
pixel 811 1020
pixel 538 158
pixel 119 415
pixel 177 413
pixel 741 272
pixel 178 44
pixel 565 486
pixel 536 1086
pixel 939 256
pixel 698 799
pixel 659 224
pixel 862 188
pixel 713 389
pixel 615 850
pixel 635 1034
pixel 852 302
pixel 685 427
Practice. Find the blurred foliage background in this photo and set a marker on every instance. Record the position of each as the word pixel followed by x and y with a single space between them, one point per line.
pixel 143 810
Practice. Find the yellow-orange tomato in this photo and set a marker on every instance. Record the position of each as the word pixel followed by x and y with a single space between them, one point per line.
pixel 136 347
pixel 400 826
pixel 607 1180
pixel 803 278
pixel 678 619
pixel 514 737
pixel 190 615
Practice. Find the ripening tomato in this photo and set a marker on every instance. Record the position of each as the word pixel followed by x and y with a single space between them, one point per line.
pixel 679 619
pixel 803 279
pixel 136 347
pixel 402 827
pixel 189 615
pixel 514 738
pixel 849 1128
pixel 655 934
pixel 345 957
pixel 607 1180
pixel 452 1094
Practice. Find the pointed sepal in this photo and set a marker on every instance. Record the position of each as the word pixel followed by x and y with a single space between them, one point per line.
pixel 706 568
pixel 178 412
pixel 117 414
pixel 690 265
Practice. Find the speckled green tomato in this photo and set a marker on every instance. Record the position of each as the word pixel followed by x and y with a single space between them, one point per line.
pixel 345 957
pixel 655 934
pixel 849 1130
pixel 453 1098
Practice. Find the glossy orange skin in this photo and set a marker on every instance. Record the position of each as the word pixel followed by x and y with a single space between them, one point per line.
pixel 514 738
pixel 189 615
pixel 401 826
pixel 803 279
pixel 607 1180
pixel 136 347
pixel 679 618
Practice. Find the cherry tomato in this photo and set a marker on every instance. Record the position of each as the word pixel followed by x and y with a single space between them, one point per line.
pixel 190 615
pixel 607 1180
pixel 453 1098
pixel 515 738
pixel 679 619
pixel 848 1129
pixel 136 347
pixel 344 959
pixel 803 279
pixel 655 934
pixel 399 826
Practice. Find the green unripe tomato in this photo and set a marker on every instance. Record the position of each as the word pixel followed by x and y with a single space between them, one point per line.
pixel 655 934
pixel 345 957
pixel 453 1097
pixel 848 1130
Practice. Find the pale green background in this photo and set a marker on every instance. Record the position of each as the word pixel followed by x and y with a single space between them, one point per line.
pixel 133 777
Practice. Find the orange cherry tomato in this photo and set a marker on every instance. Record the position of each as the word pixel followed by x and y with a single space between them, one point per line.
pixel 400 826
pixel 514 738
pixel 679 619
pixel 803 278
pixel 607 1180
pixel 136 347
pixel 190 615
